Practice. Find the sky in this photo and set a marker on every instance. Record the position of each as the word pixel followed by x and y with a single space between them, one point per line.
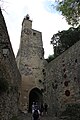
pixel 45 19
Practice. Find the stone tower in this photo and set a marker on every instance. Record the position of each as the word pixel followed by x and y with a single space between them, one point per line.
pixel 30 61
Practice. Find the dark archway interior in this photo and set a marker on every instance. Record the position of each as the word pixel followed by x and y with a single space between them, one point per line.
pixel 35 96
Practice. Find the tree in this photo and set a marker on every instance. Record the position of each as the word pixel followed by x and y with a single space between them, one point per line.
pixel 63 40
pixel 70 9
pixel 50 58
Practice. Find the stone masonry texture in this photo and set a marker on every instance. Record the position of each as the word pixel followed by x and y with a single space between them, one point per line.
pixel 57 83
pixel 30 61
pixel 63 80
pixel 10 77
pixel 60 76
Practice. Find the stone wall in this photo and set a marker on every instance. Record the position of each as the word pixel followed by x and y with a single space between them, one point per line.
pixel 63 80
pixel 10 78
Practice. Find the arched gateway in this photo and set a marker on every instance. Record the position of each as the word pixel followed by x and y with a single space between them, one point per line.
pixel 35 96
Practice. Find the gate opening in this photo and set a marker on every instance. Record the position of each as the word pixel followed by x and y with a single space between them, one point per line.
pixel 35 96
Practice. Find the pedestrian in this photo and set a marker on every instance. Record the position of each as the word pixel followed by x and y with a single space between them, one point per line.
pixel 45 108
pixel 42 109
pixel 36 112
pixel 33 107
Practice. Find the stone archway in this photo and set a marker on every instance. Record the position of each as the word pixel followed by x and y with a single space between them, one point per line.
pixel 35 96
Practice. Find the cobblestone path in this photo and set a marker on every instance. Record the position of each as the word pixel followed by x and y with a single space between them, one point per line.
pixel 29 117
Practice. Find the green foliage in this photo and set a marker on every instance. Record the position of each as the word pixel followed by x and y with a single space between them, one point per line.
pixel 65 39
pixel 70 9
pixel 72 112
pixel 50 58
pixel 3 85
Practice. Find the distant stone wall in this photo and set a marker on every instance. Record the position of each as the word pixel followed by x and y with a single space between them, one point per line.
pixel 63 80
pixel 10 78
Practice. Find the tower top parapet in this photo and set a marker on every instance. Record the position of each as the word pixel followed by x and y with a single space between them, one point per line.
pixel 27 23
pixel 27 17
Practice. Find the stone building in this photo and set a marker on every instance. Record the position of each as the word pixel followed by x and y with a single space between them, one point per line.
pixel 30 61
pixel 56 83
pixel 10 77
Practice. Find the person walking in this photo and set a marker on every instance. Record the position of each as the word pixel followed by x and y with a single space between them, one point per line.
pixel 42 109
pixel 45 108
pixel 33 107
pixel 36 112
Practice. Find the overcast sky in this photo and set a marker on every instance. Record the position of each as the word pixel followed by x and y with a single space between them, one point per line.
pixel 45 20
